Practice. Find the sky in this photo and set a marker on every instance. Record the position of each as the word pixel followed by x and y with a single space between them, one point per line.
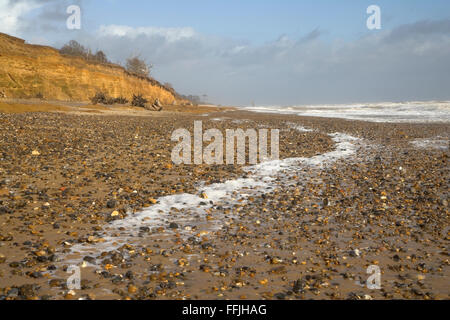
pixel 239 52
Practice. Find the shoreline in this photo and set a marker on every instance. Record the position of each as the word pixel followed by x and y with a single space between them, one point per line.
pixel 228 258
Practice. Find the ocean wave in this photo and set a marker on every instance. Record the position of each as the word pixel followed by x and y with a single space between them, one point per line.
pixel 410 112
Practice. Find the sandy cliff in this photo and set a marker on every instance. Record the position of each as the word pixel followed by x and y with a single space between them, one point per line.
pixel 29 71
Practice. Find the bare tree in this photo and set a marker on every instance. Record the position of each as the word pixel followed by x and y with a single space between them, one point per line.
pixel 138 66
pixel 100 56
pixel 74 48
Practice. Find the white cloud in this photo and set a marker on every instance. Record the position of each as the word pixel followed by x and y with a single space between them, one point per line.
pixel 14 18
pixel 169 34
pixel 11 12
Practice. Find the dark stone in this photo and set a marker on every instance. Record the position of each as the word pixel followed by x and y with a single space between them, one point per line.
pixel 117 258
pixel 35 275
pixel 105 274
pixel 299 286
pixel 56 283
pixel 280 296
pixel 14 292
pixel 206 246
pixel 41 259
pixel 111 204
pixel 27 290
pixel 156 267
pixel 4 209
pixel 173 225
pixel 89 259
pixel 15 264
pixel 117 280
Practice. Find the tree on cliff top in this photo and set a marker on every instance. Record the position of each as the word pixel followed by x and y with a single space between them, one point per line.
pixel 100 56
pixel 138 66
pixel 73 48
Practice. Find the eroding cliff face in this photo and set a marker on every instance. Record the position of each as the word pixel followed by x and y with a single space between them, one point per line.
pixel 30 71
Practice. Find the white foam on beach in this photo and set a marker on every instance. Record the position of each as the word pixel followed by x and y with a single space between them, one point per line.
pixel 436 143
pixel 236 121
pixel 298 127
pixel 188 209
pixel 345 147
pixel 157 214
pixel 409 112
pixel 239 121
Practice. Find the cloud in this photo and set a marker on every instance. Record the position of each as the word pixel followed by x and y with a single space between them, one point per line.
pixel 168 34
pixel 313 35
pixel 421 29
pixel 11 12
pixel 410 62
pixel 34 19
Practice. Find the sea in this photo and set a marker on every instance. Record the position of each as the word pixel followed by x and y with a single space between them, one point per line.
pixel 400 112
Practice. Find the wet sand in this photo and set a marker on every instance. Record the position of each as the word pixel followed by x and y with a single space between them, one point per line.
pixel 78 188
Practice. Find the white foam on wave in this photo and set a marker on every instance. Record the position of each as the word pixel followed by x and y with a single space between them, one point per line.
pixel 409 112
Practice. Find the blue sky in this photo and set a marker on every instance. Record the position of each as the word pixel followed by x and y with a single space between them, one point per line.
pixel 263 20
pixel 271 52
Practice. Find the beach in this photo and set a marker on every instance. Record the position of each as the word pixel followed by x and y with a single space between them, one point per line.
pixel 96 188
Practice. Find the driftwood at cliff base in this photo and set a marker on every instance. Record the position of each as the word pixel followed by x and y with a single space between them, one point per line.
pixel 156 106
pixel 152 107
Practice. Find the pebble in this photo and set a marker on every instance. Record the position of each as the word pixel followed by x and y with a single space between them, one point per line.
pixel 132 289
pixel 111 204
pixel 114 213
